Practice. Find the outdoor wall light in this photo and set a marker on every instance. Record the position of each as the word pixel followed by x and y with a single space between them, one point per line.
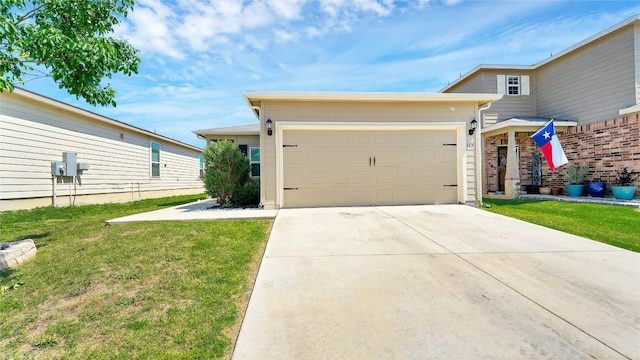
pixel 472 129
pixel 269 130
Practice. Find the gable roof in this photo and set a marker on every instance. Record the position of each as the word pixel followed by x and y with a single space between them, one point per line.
pixel 38 98
pixel 616 27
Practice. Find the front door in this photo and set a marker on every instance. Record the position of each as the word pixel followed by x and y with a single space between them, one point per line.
pixel 502 166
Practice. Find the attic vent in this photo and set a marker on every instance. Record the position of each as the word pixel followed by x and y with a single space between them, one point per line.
pixel 121 136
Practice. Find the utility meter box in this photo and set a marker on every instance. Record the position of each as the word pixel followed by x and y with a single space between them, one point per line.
pixel 83 166
pixel 71 160
pixel 58 168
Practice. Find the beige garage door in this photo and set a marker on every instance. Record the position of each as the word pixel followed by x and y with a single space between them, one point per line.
pixel 349 167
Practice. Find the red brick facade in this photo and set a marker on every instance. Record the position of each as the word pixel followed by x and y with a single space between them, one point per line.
pixel 605 147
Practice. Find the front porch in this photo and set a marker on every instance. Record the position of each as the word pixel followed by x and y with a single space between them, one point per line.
pixel 512 160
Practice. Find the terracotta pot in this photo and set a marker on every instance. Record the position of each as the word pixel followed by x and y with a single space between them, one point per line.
pixel 556 191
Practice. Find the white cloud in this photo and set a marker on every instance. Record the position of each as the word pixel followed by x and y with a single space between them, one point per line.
pixel 148 29
pixel 287 9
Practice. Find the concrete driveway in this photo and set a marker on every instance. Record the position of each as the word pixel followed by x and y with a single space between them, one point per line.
pixel 437 282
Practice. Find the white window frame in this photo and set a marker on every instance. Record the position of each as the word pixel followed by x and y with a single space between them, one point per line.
pixel 515 87
pixel 503 86
pixel 251 162
pixel 151 161
pixel 201 167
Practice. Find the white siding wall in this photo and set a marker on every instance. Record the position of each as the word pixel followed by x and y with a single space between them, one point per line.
pixel 32 136
pixel 592 83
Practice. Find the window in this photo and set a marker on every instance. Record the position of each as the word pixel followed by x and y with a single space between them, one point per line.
pixel 155 159
pixel 201 166
pixel 254 160
pixel 513 85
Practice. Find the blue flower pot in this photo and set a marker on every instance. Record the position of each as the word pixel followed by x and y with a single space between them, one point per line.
pixel 623 192
pixel 597 188
pixel 575 190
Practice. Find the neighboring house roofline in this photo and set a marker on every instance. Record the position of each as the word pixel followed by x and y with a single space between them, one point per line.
pixel 82 112
pixel 253 98
pixel 253 129
pixel 611 29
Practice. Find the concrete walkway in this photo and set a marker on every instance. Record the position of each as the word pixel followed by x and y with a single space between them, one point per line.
pixel 198 210
pixel 437 282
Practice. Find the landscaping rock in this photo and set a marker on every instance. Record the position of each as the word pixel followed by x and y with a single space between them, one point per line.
pixel 15 253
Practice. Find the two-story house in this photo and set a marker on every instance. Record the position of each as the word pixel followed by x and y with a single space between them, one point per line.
pixel 591 89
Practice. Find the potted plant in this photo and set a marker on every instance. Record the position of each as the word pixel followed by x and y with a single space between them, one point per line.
pixel 625 189
pixel 597 188
pixel 575 178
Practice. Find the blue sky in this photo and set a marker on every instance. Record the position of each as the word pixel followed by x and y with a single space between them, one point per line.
pixel 198 56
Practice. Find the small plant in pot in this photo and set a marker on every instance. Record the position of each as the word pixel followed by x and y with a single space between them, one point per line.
pixel 625 188
pixel 574 178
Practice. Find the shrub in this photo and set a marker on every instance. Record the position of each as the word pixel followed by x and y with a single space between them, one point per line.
pixel 226 169
pixel 248 194
pixel 577 174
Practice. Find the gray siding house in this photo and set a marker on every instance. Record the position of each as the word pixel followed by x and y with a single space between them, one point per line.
pixel 591 89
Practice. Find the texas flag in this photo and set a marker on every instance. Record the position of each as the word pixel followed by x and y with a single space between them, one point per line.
pixel 550 145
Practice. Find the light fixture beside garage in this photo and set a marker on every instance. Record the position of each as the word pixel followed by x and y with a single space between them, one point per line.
pixel 472 129
pixel 269 130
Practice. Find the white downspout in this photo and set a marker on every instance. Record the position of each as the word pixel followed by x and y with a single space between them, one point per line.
pixel 479 152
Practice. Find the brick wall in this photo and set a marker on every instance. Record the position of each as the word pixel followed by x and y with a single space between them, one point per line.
pixel 605 147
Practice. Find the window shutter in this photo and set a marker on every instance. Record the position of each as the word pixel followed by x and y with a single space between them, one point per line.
pixel 502 89
pixel 524 85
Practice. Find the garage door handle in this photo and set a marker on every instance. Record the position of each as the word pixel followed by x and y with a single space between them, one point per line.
pixel 450 185
pixel 374 161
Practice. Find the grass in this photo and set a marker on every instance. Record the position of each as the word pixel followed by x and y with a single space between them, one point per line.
pixel 615 225
pixel 132 291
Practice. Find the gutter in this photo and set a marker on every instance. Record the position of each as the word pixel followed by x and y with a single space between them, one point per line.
pixel 479 151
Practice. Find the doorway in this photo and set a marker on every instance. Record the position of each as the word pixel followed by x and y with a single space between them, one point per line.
pixel 502 166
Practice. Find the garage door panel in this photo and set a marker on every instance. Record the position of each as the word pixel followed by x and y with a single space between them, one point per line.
pixel 340 177
pixel 318 178
pixel 383 177
pixel 340 157
pixel 361 177
pixel 332 168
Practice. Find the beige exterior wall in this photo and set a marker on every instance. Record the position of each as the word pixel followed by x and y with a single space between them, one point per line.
pixel 33 134
pixel 591 83
pixel 362 115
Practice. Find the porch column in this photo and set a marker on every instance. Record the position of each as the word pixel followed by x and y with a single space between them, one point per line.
pixel 512 176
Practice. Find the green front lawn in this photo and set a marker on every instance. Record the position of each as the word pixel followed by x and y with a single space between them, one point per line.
pixel 614 225
pixel 133 291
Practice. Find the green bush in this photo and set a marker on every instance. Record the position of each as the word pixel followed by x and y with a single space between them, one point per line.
pixel 248 194
pixel 226 169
